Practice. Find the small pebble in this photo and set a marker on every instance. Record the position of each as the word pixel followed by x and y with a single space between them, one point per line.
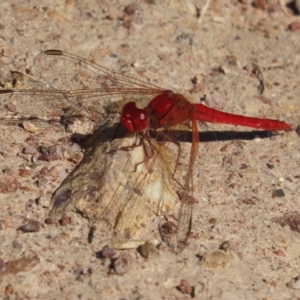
pixel 278 193
pixel 31 226
pixel 186 288
pixel 44 200
pixel 291 219
pixel 294 283
pixel 24 264
pixel 148 250
pixel 30 127
pixel 216 259
pixel 8 184
pixel 31 149
pixel 294 26
pixel 122 264
pixel 106 252
pixel 261 4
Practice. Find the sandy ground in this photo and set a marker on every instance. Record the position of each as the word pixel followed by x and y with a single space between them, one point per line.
pixel 245 241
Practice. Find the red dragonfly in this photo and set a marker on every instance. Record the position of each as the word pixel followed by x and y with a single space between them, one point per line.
pixel 76 85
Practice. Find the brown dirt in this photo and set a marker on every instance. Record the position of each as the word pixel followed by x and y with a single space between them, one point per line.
pixel 244 179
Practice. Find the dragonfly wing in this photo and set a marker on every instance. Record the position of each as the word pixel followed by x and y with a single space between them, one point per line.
pixel 22 105
pixel 186 196
pixel 74 86
pixel 65 71
pixel 119 187
pixel 148 193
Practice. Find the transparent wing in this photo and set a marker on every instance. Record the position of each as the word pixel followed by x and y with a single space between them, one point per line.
pixel 186 196
pixel 65 71
pixel 22 105
pixel 120 187
pixel 74 86
pixel 150 194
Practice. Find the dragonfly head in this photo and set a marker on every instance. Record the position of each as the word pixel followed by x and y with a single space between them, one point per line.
pixel 134 119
